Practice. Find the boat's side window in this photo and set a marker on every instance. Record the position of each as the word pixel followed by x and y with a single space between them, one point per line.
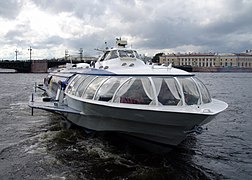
pixel 71 84
pixel 136 55
pixel 92 87
pixel 76 84
pixel 104 56
pixel 168 92
pixel 132 92
pixel 190 90
pixel 82 85
pixel 107 90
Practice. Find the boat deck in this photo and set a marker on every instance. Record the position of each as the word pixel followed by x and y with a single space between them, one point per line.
pixel 37 102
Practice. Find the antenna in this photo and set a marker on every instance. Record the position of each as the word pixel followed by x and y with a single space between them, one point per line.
pixel 30 49
pixel 16 53
pixel 66 55
pixel 81 53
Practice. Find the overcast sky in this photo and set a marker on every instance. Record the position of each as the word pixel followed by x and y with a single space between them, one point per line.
pixel 150 26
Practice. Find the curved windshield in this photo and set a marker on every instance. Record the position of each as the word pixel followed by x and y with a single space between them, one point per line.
pixel 126 53
pixel 112 55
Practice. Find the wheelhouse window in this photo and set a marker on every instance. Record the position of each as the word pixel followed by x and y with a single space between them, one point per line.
pixel 126 53
pixel 112 55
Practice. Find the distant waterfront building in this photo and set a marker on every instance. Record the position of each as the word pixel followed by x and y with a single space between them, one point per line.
pixel 243 60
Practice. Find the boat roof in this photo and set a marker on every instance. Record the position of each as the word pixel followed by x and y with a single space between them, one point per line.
pixel 113 63
pixel 131 64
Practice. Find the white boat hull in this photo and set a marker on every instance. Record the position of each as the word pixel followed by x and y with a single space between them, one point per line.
pixel 167 128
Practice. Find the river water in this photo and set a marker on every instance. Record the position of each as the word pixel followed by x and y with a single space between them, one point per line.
pixel 39 147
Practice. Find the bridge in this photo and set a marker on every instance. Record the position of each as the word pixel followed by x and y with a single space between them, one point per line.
pixel 41 66
pixel 35 66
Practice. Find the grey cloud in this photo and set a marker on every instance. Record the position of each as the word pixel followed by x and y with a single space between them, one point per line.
pixel 238 17
pixel 56 6
pixel 10 9
pixel 79 8
pixel 163 24
pixel 222 35
pixel 53 41
pixel 15 37
pixel 50 42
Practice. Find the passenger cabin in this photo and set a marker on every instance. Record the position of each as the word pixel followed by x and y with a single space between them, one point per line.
pixel 156 91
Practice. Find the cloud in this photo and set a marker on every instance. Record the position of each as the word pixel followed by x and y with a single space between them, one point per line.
pixel 10 9
pixel 151 26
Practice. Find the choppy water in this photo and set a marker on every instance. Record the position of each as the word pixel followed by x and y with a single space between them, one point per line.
pixel 38 147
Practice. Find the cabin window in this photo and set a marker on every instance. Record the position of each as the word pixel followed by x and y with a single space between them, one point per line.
pixel 190 90
pixel 167 91
pixel 206 98
pixel 74 84
pixel 107 90
pixel 85 81
pixel 92 87
pixel 135 91
pixel 77 85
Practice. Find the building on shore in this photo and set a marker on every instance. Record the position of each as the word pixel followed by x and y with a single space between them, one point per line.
pixel 209 60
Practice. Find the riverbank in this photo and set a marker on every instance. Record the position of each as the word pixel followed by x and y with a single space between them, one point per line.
pixel 221 69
